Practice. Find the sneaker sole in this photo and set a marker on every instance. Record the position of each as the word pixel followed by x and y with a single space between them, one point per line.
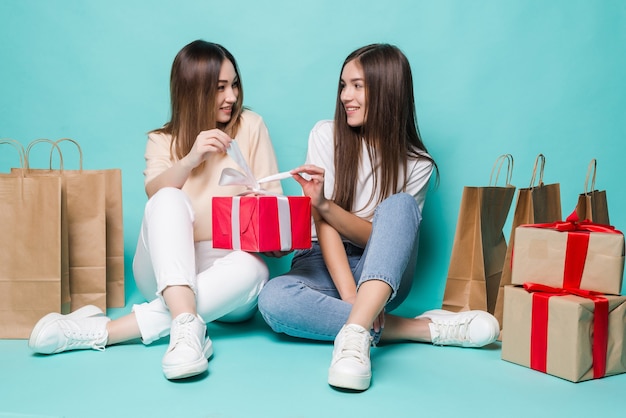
pixel 84 312
pixel 195 368
pixel 346 381
pixel 186 370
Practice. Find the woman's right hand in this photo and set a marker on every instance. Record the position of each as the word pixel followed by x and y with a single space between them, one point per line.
pixel 213 140
pixel 312 187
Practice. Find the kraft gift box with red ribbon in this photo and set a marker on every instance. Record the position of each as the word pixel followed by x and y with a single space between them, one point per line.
pixel 569 254
pixel 573 334
pixel 262 223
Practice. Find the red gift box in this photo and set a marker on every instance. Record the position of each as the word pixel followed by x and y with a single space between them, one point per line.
pixel 569 254
pixel 262 223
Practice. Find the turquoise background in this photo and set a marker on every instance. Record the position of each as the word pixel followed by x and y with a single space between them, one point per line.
pixel 491 77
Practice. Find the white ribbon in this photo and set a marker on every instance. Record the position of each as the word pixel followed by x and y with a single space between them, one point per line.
pixel 232 177
pixel 284 223
pixel 235 228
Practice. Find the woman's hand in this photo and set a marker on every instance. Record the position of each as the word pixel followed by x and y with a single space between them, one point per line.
pixel 312 187
pixel 349 298
pixel 213 140
pixel 206 142
pixel 379 321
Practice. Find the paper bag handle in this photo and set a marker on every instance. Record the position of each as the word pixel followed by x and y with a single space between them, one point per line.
pixel 20 151
pixel 541 161
pixel 18 147
pixel 509 169
pixel 80 151
pixel 592 166
pixel 39 141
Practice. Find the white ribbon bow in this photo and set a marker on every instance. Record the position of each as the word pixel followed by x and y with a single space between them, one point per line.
pixel 232 177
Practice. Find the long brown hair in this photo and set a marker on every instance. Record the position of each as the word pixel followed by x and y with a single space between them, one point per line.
pixel 193 90
pixel 390 130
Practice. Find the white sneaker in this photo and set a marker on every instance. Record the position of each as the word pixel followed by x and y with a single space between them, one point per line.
pixel 350 367
pixel 462 329
pixel 189 348
pixel 84 328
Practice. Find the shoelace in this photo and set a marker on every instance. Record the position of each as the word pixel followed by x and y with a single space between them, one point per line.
pixel 355 345
pixel 183 333
pixel 452 331
pixel 79 338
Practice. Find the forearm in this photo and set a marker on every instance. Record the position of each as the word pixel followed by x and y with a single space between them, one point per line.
pixel 336 260
pixel 175 176
pixel 356 229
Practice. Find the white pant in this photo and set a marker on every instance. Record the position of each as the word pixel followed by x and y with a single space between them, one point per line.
pixel 226 283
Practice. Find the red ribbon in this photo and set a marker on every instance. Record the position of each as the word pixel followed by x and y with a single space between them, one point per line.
pixel 577 245
pixel 572 223
pixel 539 325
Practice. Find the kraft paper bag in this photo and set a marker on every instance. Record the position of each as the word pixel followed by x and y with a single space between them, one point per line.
pixel 115 297
pixel 592 205
pixel 539 203
pixel 33 250
pixel 83 193
pixel 479 245
pixel 114 238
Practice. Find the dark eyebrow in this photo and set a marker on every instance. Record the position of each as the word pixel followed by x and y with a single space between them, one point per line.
pixel 235 80
pixel 352 80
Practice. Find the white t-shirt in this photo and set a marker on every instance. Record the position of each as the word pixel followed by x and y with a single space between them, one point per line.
pixel 321 153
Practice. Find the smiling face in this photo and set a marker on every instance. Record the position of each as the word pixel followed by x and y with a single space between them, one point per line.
pixel 353 93
pixel 227 92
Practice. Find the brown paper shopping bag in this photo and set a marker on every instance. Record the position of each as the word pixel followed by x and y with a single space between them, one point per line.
pixel 33 253
pixel 479 245
pixel 592 205
pixel 83 195
pixel 539 203
pixel 115 297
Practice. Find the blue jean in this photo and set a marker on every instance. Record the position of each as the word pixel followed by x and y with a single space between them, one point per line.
pixel 305 303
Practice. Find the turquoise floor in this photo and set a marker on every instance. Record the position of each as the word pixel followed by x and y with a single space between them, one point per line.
pixel 256 373
pixel 491 77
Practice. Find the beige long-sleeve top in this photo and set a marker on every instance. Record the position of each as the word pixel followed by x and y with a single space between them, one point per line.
pixel 255 144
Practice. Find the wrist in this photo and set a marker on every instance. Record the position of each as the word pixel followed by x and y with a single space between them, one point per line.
pixel 349 297
pixel 186 164
pixel 323 208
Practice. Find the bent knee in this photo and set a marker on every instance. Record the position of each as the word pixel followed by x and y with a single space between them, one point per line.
pixel 273 297
pixel 169 194
pixel 400 205
pixel 169 201
pixel 268 296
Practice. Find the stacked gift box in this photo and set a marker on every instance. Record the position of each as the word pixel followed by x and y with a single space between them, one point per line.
pixel 564 315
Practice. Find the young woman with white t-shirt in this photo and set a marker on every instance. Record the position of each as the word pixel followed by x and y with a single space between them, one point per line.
pixel 368 174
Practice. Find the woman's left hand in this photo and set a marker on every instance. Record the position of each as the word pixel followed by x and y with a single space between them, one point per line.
pixel 379 322
pixel 312 187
